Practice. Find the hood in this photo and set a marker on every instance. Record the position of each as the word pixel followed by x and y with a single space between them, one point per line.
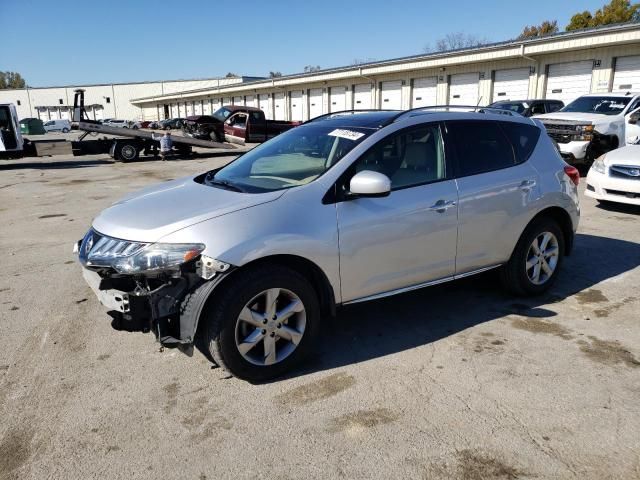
pixel 629 155
pixel 577 117
pixel 156 211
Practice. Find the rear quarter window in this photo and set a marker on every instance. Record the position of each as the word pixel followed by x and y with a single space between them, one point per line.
pixel 523 137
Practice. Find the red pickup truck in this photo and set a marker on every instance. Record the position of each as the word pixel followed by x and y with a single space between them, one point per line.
pixel 235 124
pixel 248 124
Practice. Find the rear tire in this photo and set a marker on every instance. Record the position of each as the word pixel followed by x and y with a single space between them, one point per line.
pixel 65 130
pixel 126 152
pixel 242 348
pixel 536 260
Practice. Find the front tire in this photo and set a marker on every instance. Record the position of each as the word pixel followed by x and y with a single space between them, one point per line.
pixel 536 260
pixel 65 130
pixel 263 323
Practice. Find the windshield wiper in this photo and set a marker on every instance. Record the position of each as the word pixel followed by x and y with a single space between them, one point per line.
pixel 225 184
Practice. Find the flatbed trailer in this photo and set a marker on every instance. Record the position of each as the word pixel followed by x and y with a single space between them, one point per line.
pixel 127 145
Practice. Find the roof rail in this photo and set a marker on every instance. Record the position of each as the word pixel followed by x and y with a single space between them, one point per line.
pixel 351 112
pixel 448 108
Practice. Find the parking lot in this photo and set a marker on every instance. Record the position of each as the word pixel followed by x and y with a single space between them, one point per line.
pixel 456 381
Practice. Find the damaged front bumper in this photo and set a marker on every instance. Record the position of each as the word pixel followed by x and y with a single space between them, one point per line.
pixel 168 303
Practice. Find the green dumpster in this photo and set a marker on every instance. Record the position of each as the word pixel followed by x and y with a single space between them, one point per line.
pixel 32 126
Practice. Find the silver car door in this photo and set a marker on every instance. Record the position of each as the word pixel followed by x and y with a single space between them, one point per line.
pixel 408 237
pixel 495 191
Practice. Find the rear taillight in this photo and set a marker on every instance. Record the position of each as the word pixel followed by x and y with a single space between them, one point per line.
pixel 573 174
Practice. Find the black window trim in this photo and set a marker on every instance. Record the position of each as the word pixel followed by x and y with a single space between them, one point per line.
pixel 456 158
pixel 333 196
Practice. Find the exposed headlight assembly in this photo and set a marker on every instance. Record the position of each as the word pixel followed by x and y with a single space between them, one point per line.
pixel 585 133
pixel 158 256
pixel 598 164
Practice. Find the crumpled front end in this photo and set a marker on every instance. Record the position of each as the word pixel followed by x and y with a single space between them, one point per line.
pixel 150 286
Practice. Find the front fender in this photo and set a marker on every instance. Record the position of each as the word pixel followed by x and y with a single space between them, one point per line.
pixel 291 225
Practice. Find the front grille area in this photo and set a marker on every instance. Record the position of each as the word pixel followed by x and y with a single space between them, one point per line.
pixel 628 172
pixel 561 133
pixel 623 194
pixel 560 138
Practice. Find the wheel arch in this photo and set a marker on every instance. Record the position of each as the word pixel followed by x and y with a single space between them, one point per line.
pixel 204 297
pixel 563 219
pixel 306 268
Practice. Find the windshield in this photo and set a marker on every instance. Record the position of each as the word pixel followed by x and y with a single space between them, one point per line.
pixel 222 114
pixel 601 105
pixel 293 158
pixel 514 107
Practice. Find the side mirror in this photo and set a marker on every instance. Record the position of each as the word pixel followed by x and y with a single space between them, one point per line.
pixel 368 183
pixel 634 118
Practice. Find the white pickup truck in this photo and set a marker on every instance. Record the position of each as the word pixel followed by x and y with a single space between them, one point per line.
pixel 594 124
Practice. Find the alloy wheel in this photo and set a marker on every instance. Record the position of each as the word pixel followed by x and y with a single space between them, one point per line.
pixel 270 326
pixel 542 258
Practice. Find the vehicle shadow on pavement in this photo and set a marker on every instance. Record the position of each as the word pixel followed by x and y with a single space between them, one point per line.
pixel 64 164
pixel 375 329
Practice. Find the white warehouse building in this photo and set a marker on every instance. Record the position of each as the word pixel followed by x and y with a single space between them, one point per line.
pixel 102 101
pixel 562 66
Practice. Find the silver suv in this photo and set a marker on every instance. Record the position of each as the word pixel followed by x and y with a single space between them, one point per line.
pixel 346 208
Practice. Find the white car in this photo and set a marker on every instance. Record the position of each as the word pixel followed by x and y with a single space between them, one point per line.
pixel 615 176
pixel 63 126
pixel 117 123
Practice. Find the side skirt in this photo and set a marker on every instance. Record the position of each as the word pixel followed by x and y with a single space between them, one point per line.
pixel 420 285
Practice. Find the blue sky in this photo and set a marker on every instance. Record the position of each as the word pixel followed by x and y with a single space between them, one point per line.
pixel 58 42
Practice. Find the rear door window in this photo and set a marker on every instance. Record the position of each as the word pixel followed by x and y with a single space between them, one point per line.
pixel 480 146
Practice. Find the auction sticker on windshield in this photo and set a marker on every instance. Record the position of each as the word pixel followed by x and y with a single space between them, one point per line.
pixel 348 134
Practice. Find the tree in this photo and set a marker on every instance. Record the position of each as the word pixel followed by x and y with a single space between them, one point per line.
pixel 11 80
pixel 580 20
pixel 616 11
pixel 545 28
pixel 275 74
pixel 455 41
pixel 311 68
pixel 231 75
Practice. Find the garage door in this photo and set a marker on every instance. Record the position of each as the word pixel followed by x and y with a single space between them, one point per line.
pixel 198 107
pixel 250 101
pixel 315 102
pixel 174 111
pixel 238 100
pixel 264 103
pixel 280 113
pixel 463 89
pixel 627 75
pixel 362 96
pixel 337 99
pixel 227 101
pixel 296 105
pixel 391 95
pixel 511 84
pixel 54 114
pixel 98 113
pixel 424 92
pixel 567 81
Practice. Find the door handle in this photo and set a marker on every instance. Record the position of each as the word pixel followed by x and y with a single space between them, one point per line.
pixel 527 185
pixel 442 205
